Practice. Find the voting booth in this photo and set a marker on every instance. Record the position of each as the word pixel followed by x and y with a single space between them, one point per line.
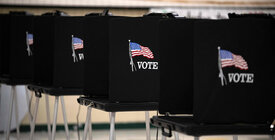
pixel 58 62
pixel 233 84
pixel 16 62
pixel 122 58
pixel 227 71
pixel 16 48
pixel 59 55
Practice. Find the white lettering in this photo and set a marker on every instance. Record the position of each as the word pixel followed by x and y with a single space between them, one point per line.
pixel 230 75
pixel 155 65
pixel 81 56
pixel 250 78
pixel 241 77
pixel 144 65
pixel 139 65
pixel 147 65
pixel 236 78
pixel 150 64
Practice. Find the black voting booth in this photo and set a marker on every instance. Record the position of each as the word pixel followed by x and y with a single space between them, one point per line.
pixel 59 55
pixel 58 61
pixel 241 92
pixel 111 70
pixel 16 48
pixel 121 66
pixel 240 105
pixel 16 44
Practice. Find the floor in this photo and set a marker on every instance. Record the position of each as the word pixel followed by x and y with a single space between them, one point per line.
pixel 123 134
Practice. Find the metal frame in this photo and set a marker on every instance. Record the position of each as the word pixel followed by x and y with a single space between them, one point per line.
pixel 14 100
pixel 10 114
pixel 34 118
pixel 51 131
pixel 48 116
pixel 65 118
pixel 112 126
pixel 112 134
pixel 87 123
pixel 147 123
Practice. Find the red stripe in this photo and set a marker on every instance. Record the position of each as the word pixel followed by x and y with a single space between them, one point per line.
pixel 237 61
pixel 145 51
pixel 78 46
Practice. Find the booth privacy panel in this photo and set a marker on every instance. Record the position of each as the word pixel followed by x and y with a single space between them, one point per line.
pixel 21 47
pixel 16 45
pixel 59 51
pixel 96 56
pixel 3 34
pixel 233 77
pixel 134 59
pixel 69 52
pixel 44 49
pixel 176 75
pixel 108 57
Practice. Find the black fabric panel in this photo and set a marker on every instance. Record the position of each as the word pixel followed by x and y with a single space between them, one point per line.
pixel 67 73
pixel 2 34
pixel 5 45
pixel 176 44
pixel 21 64
pixel 140 85
pixel 96 56
pixel 43 50
pixel 238 101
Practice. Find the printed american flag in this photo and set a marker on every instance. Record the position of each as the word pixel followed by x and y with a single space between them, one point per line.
pixel 30 38
pixel 229 59
pixel 137 49
pixel 77 43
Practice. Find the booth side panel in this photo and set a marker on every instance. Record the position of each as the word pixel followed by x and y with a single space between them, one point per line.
pixel 237 90
pixel 133 78
pixel 96 56
pixel 43 50
pixel 21 66
pixel 68 53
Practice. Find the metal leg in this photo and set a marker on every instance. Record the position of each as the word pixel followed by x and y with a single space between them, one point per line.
pixel 87 123
pixel 34 118
pixel 48 116
pixel 90 129
pixel 271 137
pixel 55 116
pixel 112 126
pixel 147 121
pixel 196 138
pixel 16 113
pixel 163 137
pixel 28 104
pixel 235 137
pixel 176 134
pixel 10 115
pixel 65 118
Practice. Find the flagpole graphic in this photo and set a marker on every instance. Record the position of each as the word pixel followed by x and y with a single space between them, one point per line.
pixel 131 58
pixel 74 56
pixel 223 80
pixel 28 45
